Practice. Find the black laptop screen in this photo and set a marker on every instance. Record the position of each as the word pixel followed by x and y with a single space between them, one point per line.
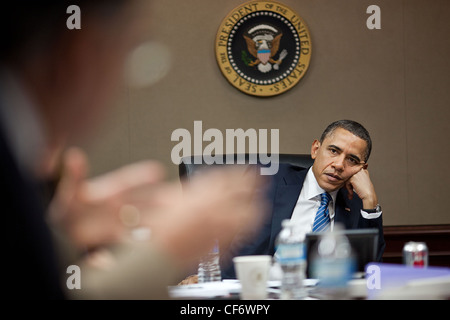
pixel 363 242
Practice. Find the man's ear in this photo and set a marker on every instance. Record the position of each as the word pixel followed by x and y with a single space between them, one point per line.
pixel 315 148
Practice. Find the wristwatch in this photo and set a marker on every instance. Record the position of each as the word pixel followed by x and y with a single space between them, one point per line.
pixel 377 209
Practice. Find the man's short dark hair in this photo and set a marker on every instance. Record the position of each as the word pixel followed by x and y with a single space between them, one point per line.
pixel 354 127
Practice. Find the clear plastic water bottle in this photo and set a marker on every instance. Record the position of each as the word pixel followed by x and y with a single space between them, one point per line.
pixel 291 256
pixel 333 264
pixel 209 267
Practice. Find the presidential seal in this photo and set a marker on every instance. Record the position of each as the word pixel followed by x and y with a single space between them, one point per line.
pixel 263 48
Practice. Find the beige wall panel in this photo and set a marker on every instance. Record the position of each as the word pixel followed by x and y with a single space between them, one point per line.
pixel 427 80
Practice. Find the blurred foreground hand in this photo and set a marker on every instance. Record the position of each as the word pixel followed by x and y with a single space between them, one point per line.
pixel 96 212
pixel 216 204
pixel 103 211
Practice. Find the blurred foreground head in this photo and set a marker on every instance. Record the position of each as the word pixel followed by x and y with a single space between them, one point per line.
pixel 70 76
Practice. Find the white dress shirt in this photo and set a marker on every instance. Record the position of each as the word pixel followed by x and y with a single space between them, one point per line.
pixel 309 201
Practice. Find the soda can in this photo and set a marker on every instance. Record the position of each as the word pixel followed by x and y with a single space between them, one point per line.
pixel 415 254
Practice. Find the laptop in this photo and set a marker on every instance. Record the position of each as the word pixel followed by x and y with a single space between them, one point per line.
pixel 364 244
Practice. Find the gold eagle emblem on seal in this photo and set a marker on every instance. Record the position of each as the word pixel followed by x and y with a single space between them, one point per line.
pixel 263 48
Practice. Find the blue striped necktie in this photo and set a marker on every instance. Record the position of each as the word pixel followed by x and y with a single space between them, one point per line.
pixel 322 219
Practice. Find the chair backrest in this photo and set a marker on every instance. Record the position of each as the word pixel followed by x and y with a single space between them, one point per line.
pixel 189 165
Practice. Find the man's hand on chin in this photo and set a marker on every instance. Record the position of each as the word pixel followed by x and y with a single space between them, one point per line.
pixel 361 184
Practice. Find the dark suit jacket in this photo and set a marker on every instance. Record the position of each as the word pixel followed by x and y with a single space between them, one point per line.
pixel 29 266
pixel 283 194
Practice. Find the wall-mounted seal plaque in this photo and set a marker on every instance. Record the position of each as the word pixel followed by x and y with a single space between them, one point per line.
pixel 263 48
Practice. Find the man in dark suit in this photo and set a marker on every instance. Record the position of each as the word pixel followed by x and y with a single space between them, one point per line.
pixel 340 171
pixel 28 250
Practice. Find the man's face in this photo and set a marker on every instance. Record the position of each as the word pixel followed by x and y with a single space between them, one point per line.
pixel 337 159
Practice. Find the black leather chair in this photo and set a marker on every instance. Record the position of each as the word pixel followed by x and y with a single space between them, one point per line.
pixel 189 165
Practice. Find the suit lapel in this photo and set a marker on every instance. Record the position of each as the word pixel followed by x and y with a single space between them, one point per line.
pixel 285 198
pixel 346 211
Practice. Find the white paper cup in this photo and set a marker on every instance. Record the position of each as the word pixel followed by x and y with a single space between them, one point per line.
pixel 252 272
